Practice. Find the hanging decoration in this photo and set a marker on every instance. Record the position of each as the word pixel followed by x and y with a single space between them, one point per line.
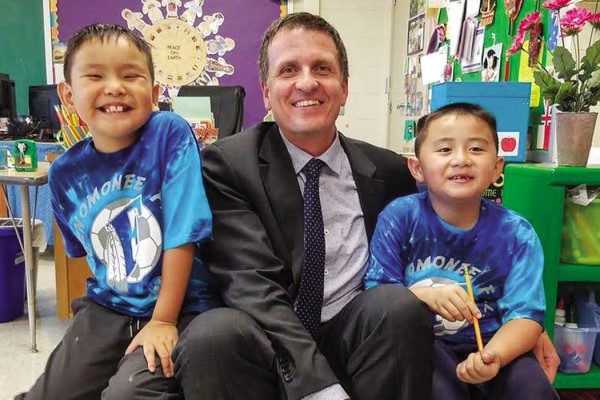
pixel 488 11
pixel 184 51
pixel 437 37
pixel 512 11
pixel 535 38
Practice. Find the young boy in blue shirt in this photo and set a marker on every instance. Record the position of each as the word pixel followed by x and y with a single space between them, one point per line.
pixel 130 198
pixel 426 241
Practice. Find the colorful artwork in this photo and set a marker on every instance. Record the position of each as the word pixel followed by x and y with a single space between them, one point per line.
pixel 491 63
pixel 186 45
pixel 416 7
pixel 488 11
pixel 414 96
pixel 195 42
pixel 416 32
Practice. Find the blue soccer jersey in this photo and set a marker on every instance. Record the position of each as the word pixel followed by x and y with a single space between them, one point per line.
pixel 122 209
pixel 412 246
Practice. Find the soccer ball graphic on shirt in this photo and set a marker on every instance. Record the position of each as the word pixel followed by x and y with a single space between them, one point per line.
pixel 441 326
pixel 121 219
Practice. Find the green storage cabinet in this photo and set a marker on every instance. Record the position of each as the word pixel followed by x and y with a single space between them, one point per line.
pixel 537 192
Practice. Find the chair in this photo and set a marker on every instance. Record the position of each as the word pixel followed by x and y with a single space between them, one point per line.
pixel 226 103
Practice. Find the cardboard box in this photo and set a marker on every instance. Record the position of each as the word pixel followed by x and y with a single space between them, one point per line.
pixel 507 101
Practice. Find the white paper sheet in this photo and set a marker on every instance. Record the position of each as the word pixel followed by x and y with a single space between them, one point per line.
pixel 455 11
pixel 473 8
pixel 432 67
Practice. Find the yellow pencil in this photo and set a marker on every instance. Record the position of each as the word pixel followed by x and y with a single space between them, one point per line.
pixel 475 321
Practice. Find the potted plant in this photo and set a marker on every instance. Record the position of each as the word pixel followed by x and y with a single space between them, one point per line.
pixel 574 85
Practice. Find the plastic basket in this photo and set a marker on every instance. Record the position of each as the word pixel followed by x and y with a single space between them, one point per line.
pixel 575 347
pixel 588 312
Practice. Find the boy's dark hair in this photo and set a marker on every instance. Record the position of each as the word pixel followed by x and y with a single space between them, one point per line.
pixel 455 109
pixel 306 21
pixel 104 32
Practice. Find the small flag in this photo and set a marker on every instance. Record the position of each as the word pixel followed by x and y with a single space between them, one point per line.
pixel 553 29
pixel 546 123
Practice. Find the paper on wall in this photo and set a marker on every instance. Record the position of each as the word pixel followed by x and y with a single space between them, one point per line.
pixel 435 3
pixel 455 11
pixel 432 67
pixel 193 107
pixel 471 59
pixel 526 74
pixel 473 8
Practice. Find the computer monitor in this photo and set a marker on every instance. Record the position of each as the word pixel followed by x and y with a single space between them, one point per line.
pixel 8 103
pixel 42 99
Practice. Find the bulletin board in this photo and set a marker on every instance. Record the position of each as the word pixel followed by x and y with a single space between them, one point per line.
pixel 500 33
pixel 196 42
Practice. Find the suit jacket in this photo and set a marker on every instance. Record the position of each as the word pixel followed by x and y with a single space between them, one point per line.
pixel 257 251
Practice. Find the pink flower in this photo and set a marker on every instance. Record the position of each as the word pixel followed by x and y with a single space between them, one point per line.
pixel 517 43
pixel 529 22
pixel 555 4
pixel 574 20
pixel 595 20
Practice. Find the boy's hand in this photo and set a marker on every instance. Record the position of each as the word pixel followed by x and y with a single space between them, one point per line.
pixel 450 301
pixel 479 367
pixel 157 338
pixel 546 355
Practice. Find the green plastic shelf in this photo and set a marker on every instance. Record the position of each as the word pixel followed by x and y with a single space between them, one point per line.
pixel 578 273
pixel 537 192
pixel 588 380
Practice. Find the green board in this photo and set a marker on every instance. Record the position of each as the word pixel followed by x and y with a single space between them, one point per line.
pixel 22 46
pixel 500 27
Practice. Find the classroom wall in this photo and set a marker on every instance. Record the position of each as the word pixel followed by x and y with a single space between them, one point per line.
pixel 22 46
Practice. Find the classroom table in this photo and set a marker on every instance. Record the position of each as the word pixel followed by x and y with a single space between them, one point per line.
pixel 24 180
pixel 44 210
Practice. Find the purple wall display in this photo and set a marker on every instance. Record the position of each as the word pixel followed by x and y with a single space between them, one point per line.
pixel 197 42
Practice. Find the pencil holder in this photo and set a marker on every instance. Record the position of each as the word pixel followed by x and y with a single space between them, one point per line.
pixel 73 129
pixel 71 134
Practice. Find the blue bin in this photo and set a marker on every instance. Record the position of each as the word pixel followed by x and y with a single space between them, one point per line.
pixel 507 101
pixel 12 272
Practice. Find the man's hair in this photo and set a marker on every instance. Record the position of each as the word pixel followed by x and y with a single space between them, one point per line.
pixel 306 21
pixel 104 32
pixel 459 109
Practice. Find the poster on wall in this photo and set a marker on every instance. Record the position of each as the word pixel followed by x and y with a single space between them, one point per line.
pixel 416 7
pixel 414 96
pixel 416 31
pixel 491 63
pixel 195 42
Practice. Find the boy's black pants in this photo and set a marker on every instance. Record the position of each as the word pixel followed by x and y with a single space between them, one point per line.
pixel 89 362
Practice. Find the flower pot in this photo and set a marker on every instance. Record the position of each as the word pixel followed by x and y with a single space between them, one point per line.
pixel 574 133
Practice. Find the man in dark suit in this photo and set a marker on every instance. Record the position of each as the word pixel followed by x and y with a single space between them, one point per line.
pixel 368 345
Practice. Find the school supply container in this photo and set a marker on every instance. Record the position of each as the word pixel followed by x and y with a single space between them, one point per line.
pixel 589 317
pixel 575 347
pixel 25 155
